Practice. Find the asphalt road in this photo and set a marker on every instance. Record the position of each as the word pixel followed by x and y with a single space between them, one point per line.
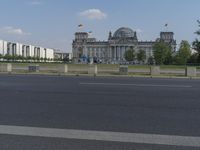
pixel 119 105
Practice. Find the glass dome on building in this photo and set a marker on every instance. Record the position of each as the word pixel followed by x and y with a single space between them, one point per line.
pixel 124 33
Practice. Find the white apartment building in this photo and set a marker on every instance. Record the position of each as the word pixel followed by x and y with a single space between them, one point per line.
pixel 12 48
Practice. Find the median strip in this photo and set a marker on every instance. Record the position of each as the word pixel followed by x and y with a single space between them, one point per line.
pixel 101 136
pixel 138 85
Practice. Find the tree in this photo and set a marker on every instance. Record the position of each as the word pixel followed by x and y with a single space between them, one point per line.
pixel 1 56
pixel 38 58
pixel 42 59
pixel 151 60
pixel 168 58
pixel 198 31
pixel 66 59
pixel 7 57
pixel 162 53
pixel 193 58
pixel 196 44
pixel 184 53
pixel 14 58
pixel 29 58
pixel 141 56
pixel 196 47
pixel 20 57
pixel 130 55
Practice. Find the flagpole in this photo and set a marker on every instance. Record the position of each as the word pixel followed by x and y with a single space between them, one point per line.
pixel 80 27
pixel 166 27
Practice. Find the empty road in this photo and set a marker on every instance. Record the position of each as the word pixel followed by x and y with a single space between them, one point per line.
pixel 102 113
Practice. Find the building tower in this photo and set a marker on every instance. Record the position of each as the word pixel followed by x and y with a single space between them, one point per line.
pixel 168 37
pixel 78 45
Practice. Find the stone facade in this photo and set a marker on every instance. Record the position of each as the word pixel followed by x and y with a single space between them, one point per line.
pixel 87 49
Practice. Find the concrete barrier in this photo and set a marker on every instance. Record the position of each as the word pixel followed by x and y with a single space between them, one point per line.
pixel 34 68
pixel 155 70
pixel 92 69
pixel 63 68
pixel 123 70
pixel 191 71
pixel 6 67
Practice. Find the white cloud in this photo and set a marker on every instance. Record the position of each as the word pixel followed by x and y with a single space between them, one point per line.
pixel 35 3
pixel 93 14
pixel 13 31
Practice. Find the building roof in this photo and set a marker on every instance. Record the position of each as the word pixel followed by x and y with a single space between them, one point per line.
pixel 124 33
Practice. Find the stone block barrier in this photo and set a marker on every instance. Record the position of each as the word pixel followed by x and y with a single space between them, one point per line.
pixel 63 68
pixel 33 68
pixel 92 69
pixel 155 70
pixel 191 71
pixel 123 70
pixel 6 67
pixel 101 69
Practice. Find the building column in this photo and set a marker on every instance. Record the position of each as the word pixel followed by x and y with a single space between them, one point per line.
pixel 95 52
pixel 121 49
pixel 111 53
pixel 100 51
pixel 84 51
pixel 115 52
pixel 122 54
pixel 126 48
pixel 91 51
pixel 119 53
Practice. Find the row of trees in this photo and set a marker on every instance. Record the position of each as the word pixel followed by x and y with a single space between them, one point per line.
pixel 28 59
pixel 196 47
pixel 164 54
pixel 131 55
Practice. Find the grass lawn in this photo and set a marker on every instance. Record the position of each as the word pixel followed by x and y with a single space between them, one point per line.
pixel 172 67
pixel 138 67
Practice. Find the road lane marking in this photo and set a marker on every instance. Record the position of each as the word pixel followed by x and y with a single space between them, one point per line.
pixel 139 85
pixel 101 136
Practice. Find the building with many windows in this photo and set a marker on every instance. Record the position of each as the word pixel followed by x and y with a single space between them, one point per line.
pixel 14 49
pixel 112 51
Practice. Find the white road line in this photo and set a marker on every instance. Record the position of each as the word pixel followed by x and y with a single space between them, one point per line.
pixel 139 85
pixel 101 136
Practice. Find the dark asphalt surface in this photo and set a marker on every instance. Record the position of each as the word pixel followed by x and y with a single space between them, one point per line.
pixel 62 102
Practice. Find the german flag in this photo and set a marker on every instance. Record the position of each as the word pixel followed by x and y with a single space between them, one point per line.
pixel 80 26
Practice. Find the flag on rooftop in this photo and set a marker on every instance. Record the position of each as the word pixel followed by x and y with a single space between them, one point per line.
pixel 90 33
pixel 80 25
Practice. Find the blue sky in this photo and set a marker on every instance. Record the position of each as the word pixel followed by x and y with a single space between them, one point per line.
pixel 52 23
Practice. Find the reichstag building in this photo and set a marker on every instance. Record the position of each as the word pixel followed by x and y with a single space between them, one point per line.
pixel 112 51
